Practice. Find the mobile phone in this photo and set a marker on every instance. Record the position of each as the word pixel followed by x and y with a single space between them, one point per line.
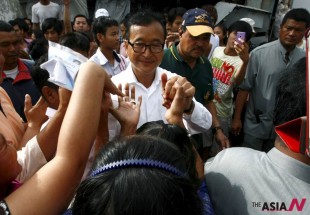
pixel 240 35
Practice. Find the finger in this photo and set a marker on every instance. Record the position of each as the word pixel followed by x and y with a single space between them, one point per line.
pixel 127 92
pixel 164 80
pixel 28 104
pixel 43 104
pixel 178 99
pixel 110 87
pixel 120 98
pixel 169 85
pixel 189 91
pixel 133 92
pixel 120 87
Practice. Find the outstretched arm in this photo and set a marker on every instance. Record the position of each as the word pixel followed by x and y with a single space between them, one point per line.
pixel 35 116
pixel 58 179
pixel 67 20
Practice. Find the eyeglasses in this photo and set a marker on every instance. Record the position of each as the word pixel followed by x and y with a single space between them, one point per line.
pixel 141 47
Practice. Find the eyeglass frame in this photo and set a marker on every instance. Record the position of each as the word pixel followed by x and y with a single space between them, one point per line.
pixel 145 46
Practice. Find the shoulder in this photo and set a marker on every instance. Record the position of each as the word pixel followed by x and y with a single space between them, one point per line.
pixel 54 4
pixel 232 158
pixel 35 6
pixel 266 47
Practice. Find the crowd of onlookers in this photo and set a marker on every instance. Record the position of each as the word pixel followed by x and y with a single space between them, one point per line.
pixel 156 113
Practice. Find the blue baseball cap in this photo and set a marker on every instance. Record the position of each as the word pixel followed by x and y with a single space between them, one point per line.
pixel 197 21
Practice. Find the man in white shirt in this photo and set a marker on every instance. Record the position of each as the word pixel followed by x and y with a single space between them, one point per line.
pixel 45 9
pixel 106 34
pixel 144 45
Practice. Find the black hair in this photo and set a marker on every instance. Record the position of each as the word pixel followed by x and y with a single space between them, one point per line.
pixel 76 41
pixel 40 76
pixel 291 100
pixel 126 19
pixel 28 20
pixel 101 24
pixel 224 29
pixel 241 26
pixel 22 24
pixel 299 15
pixel 81 15
pixel 174 12
pixel 52 23
pixel 138 190
pixel 211 10
pixel 144 18
pixel 179 137
pixel 38 33
pixel 6 27
pixel 38 47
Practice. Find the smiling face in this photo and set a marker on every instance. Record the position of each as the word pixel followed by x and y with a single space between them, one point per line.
pixel 153 34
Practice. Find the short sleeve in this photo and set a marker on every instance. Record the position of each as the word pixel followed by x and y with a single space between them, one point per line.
pixel 251 72
pixel 34 16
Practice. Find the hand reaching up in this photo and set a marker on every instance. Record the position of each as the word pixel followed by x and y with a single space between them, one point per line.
pixel 169 89
pixel 128 111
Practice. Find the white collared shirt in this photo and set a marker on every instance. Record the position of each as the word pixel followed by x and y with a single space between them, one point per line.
pixel 120 62
pixel 151 108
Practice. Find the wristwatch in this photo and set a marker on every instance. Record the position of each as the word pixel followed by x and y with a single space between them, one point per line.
pixel 215 129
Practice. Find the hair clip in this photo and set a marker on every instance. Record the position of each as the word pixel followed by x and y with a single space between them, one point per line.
pixel 138 163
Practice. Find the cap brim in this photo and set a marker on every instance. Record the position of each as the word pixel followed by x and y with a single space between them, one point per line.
pixel 196 30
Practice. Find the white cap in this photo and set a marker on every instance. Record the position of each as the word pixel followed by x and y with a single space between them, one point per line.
pixel 250 21
pixel 101 12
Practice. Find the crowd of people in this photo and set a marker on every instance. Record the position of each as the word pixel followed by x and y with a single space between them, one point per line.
pixel 154 114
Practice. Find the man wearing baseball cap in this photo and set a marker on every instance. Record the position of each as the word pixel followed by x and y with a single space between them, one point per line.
pixel 186 58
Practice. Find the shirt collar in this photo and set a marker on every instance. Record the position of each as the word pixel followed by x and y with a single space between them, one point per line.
pixel 23 72
pixel 290 165
pixel 177 56
pixel 130 76
pixel 103 60
pixel 283 50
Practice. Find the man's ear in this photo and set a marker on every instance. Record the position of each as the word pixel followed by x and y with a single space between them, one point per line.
pixel 49 94
pixel 99 37
pixel 180 31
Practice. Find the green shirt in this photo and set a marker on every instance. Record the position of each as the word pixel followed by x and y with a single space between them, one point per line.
pixel 200 76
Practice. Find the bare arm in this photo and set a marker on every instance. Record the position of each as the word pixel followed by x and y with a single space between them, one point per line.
pixel 58 179
pixel 48 137
pixel 243 52
pixel 220 137
pixel 174 115
pixel 67 20
pixel 240 102
pixel 35 116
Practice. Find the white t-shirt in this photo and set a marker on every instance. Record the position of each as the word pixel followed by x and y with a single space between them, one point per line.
pixel 41 12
